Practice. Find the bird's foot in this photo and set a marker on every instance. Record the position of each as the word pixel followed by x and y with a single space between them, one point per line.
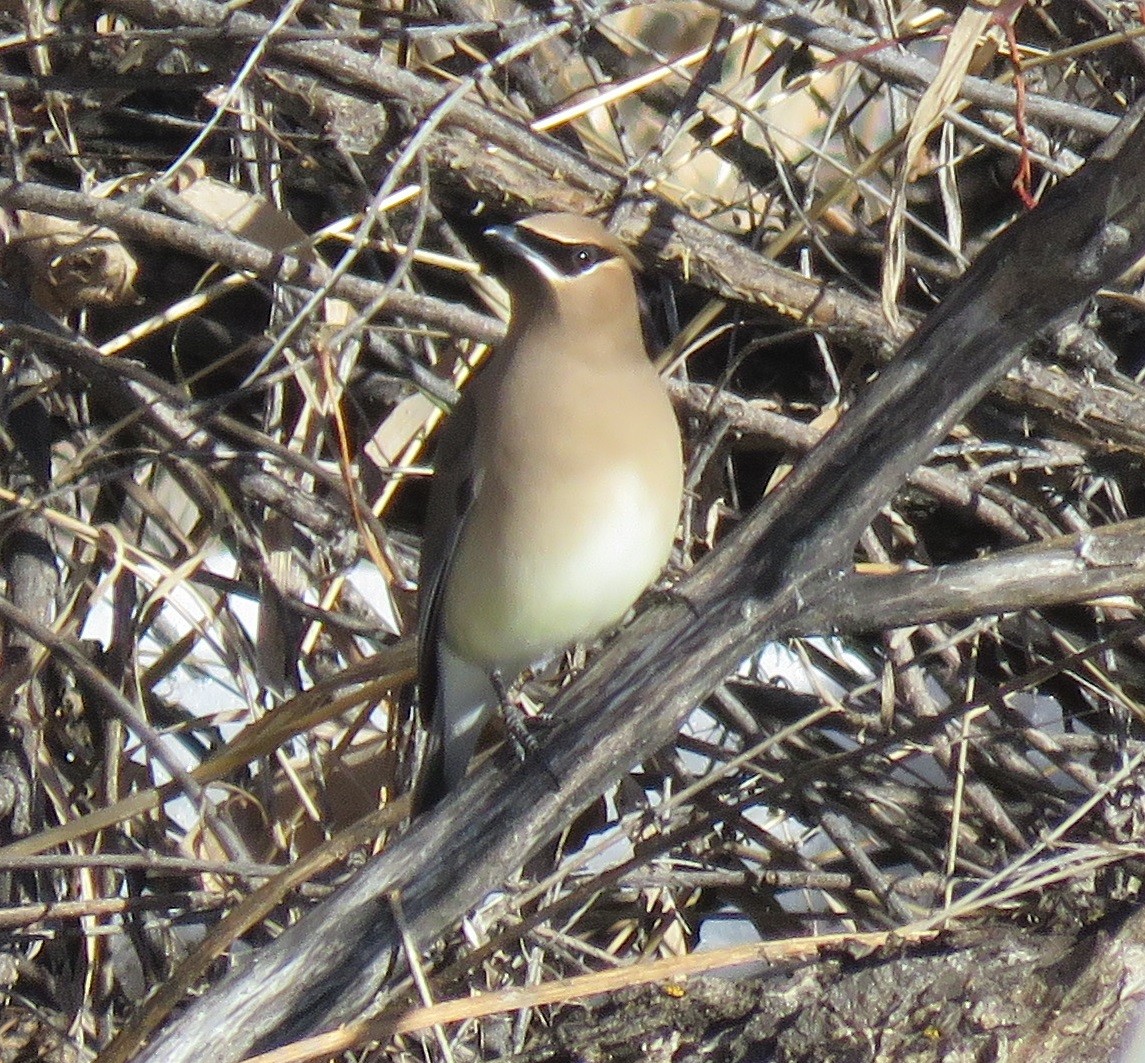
pixel 519 724
pixel 522 726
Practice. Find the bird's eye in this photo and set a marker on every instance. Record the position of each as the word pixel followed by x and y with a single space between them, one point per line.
pixel 568 260
pixel 583 257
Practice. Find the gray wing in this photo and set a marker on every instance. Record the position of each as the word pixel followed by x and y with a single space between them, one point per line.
pixel 450 496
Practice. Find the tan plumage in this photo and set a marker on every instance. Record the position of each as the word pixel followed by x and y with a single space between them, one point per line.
pixel 557 484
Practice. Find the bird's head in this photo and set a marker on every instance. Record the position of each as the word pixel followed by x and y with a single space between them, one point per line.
pixel 565 262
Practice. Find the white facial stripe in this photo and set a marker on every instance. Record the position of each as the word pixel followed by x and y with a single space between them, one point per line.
pixel 547 270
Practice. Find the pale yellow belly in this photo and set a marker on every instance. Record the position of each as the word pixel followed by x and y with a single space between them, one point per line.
pixel 555 579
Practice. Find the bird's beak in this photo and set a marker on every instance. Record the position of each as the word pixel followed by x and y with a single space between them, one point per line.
pixel 506 237
pixel 512 247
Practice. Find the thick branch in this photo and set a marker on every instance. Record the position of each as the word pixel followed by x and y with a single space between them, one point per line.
pixel 1103 562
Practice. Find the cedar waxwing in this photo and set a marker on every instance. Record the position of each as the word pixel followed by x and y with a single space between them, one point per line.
pixel 557 486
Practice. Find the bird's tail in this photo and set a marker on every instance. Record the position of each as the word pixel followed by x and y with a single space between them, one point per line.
pixel 464 697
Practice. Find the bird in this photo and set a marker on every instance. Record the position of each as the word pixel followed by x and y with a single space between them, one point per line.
pixel 557 485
